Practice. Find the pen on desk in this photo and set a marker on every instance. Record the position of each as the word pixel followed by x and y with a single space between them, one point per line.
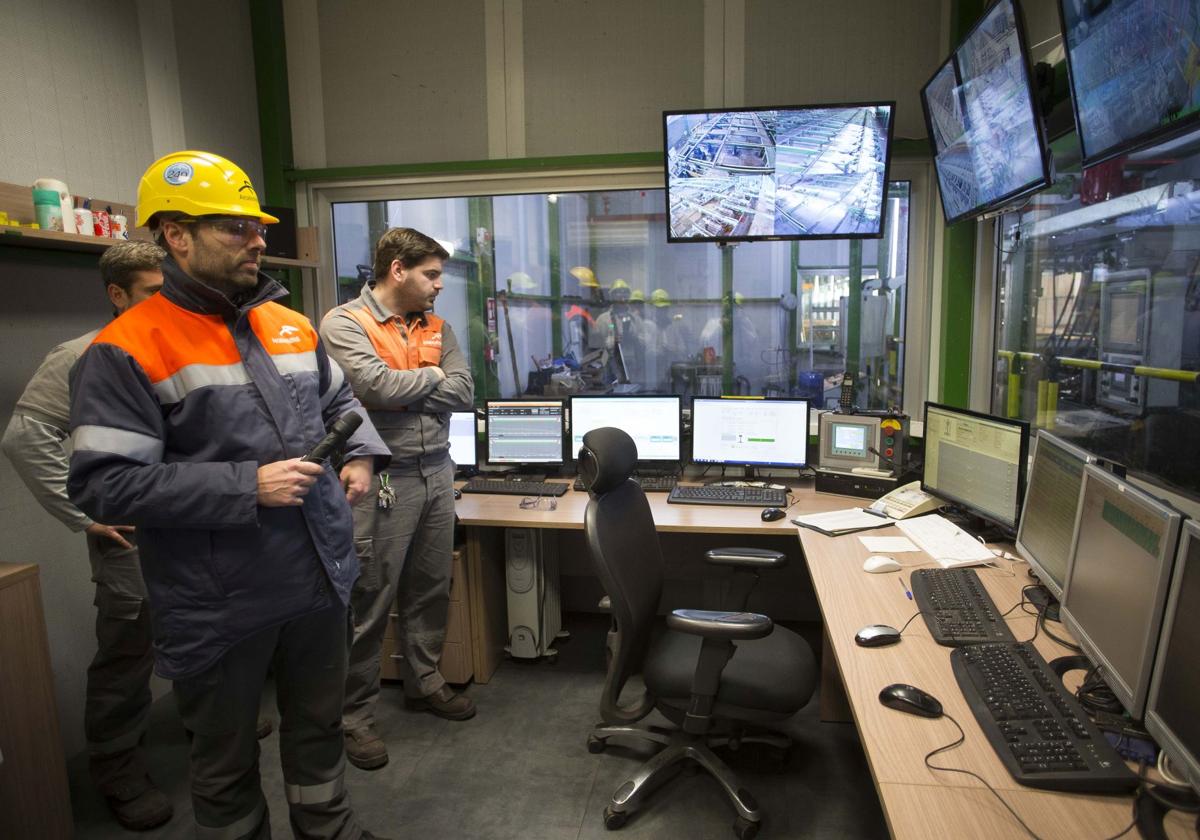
pixel 904 586
pixel 878 513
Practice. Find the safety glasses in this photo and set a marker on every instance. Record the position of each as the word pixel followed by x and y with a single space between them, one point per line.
pixel 234 231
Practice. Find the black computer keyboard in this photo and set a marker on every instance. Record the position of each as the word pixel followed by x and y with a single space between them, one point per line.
pixel 515 488
pixel 956 608
pixel 715 494
pixel 1038 729
pixel 648 483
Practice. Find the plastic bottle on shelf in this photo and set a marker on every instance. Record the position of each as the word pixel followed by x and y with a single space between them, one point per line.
pixel 83 217
pixel 48 209
pixel 64 201
pixel 102 224
pixel 120 226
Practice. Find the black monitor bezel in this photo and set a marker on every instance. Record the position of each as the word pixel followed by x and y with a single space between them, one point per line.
pixel 487 436
pixel 1047 177
pixel 1022 463
pixel 1163 733
pixel 649 463
pixel 1146 139
pixel 755 464
pixel 1054 587
pixel 887 168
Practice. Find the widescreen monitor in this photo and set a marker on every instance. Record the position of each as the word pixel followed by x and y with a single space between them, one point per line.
pixel 752 432
pixel 976 461
pixel 654 422
pixel 1051 502
pixel 988 142
pixel 463 441
pixel 524 431
pixel 1117 581
pixel 804 172
pixel 1132 68
pixel 1171 711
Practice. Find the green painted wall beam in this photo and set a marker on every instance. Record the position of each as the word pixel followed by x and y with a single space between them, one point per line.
pixel 479 288
pixel 554 240
pixel 793 319
pixel 853 325
pixel 727 319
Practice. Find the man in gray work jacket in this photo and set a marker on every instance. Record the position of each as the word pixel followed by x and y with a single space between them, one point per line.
pixel 405 365
pixel 117 699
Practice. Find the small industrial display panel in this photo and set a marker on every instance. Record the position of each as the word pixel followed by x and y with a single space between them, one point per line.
pixel 815 171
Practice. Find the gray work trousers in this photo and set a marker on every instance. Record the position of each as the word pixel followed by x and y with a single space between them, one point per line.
pixel 405 557
pixel 220 706
pixel 117 700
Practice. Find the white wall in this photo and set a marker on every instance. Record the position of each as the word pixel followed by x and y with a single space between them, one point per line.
pixel 77 104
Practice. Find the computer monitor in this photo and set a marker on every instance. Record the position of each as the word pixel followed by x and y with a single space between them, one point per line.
pixel 1171 710
pixel 464 450
pixel 752 432
pixel 988 142
pixel 848 441
pixel 654 422
pixel 801 172
pixel 1124 548
pixel 524 431
pixel 1051 502
pixel 977 461
pixel 1131 68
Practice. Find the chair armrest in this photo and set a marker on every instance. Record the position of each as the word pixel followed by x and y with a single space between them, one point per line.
pixel 752 558
pixel 720 625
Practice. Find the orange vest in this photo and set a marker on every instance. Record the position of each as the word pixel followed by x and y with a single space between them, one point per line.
pixel 421 347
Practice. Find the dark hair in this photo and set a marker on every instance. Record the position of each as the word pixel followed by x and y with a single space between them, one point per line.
pixel 409 246
pixel 120 262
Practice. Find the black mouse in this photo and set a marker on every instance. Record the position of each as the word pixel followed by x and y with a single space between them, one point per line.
pixel 772 514
pixel 909 698
pixel 877 635
pixel 457 493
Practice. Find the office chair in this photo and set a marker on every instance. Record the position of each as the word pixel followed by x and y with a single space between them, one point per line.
pixel 715 675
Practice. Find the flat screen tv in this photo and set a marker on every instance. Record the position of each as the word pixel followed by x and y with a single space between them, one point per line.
pixel 1134 71
pixel 988 141
pixel 803 172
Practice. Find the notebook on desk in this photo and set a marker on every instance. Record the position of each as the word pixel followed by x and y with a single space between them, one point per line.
pixel 834 523
pixel 945 542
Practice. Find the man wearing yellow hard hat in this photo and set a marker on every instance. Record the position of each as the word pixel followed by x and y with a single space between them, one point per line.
pixel 190 415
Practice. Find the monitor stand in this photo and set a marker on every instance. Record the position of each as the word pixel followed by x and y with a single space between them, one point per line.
pixel 976 525
pixel 1042 600
pixel 525 473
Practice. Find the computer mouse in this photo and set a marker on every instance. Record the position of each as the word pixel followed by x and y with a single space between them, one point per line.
pixel 877 635
pixel 879 563
pixel 772 514
pixel 910 699
pixel 457 493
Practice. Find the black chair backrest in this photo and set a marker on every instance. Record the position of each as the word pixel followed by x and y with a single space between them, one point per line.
pixel 625 553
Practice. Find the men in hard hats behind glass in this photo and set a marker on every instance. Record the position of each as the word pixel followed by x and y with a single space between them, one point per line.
pixel 189 416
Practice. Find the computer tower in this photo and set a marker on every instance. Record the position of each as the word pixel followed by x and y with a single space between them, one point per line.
pixel 534 606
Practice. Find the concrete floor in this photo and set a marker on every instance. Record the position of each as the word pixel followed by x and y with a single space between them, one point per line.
pixel 521 770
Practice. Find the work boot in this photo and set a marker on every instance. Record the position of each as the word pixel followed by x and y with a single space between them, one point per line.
pixel 365 749
pixel 443 703
pixel 138 805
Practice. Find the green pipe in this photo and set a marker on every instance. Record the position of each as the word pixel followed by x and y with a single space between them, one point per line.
pixel 727 319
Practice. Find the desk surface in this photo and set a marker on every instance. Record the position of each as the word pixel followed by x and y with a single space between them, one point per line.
pixel 918 802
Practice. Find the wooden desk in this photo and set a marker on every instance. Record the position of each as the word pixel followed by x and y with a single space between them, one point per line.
pixel 917 802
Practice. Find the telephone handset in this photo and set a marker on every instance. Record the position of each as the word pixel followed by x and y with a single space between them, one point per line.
pixel 906 501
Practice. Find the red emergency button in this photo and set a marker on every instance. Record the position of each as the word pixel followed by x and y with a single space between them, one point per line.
pixel 888 452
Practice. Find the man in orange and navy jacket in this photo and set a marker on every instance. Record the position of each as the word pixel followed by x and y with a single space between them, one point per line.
pixel 189 417
pixel 405 364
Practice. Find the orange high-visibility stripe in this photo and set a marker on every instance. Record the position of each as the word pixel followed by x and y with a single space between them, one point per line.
pixel 390 344
pixel 164 338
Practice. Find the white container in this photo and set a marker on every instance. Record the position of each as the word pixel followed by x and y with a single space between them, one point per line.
pixel 84 222
pixel 120 227
pixel 64 195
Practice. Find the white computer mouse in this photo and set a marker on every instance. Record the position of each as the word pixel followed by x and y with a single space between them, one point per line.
pixel 877 563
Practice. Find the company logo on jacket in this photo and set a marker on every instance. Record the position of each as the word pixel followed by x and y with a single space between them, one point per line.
pixel 287 335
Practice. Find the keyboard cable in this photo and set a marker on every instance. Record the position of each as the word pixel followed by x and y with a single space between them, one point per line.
pixel 962 737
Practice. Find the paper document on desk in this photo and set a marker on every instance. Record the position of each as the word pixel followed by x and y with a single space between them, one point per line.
pixel 838 522
pixel 888 545
pixel 945 542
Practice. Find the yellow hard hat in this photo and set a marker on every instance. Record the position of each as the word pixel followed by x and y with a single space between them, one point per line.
pixel 619 284
pixel 739 298
pixel 197 184
pixel 637 294
pixel 585 276
pixel 660 298
pixel 521 282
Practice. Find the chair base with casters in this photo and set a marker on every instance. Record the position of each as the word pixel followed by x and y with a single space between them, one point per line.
pixel 717 675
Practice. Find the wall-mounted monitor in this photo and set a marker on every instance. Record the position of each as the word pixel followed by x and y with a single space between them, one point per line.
pixel 753 432
pixel 803 172
pixel 988 141
pixel 1124 549
pixel 1132 67
pixel 654 422
pixel 523 432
